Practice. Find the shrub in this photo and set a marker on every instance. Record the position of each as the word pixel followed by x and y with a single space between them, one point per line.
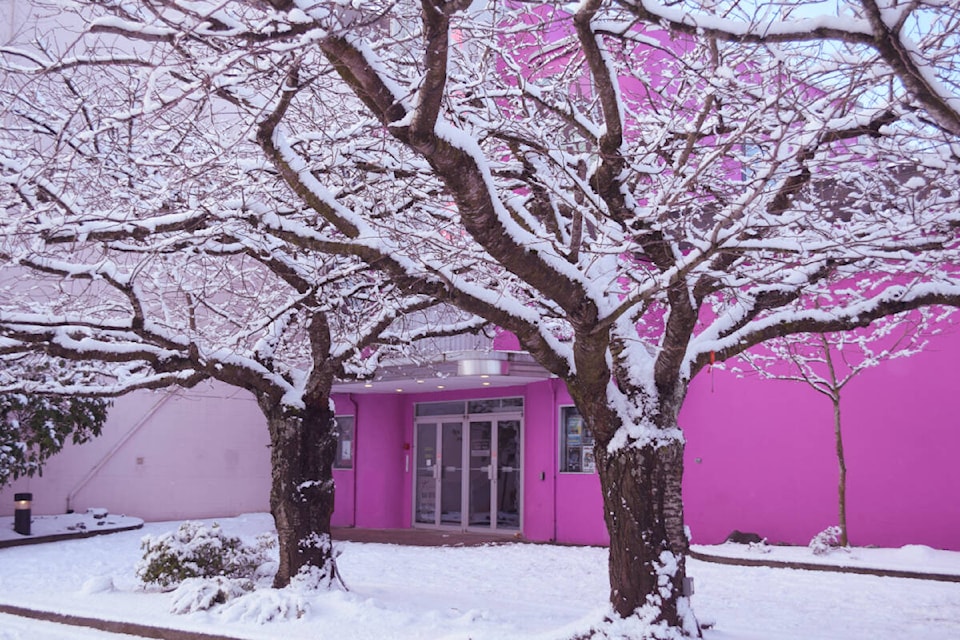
pixel 195 550
pixel 825 541
pixel 200 594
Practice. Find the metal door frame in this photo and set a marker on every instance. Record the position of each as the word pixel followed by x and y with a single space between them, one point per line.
pixel 464 464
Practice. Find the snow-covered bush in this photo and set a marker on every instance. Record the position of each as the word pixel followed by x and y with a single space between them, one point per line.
pixel 825 541
pixel 759 547
pixel 196 550
pixel 200 594
pixel 244 602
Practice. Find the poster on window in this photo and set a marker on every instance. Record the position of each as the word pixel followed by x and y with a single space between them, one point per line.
pixel 589 462
pixel 576 444
pixel 574 429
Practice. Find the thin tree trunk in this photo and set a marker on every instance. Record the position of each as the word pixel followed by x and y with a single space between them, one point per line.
pixel 842 483
pixel 303 447
pixel 643 507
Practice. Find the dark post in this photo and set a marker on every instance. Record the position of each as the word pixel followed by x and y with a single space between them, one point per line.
pixel 21 513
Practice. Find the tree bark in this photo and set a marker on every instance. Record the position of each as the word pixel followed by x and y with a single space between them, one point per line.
pixel 303 446
pixel 643 507
pixel 842 482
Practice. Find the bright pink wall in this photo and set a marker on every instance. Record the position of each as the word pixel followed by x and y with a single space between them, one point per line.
pixel 540 460
pixel 345 498
pixel 384 465
pixel 760 455
pixel 378 464
pixel 579 508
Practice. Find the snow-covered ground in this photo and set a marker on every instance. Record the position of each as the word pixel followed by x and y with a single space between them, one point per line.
pixel 520 591
pixel 91 522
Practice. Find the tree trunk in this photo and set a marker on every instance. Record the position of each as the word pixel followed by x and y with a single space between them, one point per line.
pixel 842 483
pixel 643 507
pixel 303 446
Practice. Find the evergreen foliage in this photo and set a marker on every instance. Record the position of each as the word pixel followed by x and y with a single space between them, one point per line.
pixel 195 550
pixel 35 427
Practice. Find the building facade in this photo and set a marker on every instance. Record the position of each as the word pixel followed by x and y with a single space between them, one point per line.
pixel 487 442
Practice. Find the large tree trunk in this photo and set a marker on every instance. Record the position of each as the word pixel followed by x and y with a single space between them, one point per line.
pixel 303 446
pixel 643 507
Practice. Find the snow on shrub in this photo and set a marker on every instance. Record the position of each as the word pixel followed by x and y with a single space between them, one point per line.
pixel 196 550
pixel 199 594
pixel 825 541
pixel 266 605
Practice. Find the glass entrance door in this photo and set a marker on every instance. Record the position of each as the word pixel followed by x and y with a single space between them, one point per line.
pixel 507 478
pixel 481 476
pixel 439 481
pixel 468 473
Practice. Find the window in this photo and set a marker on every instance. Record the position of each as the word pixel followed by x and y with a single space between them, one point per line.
pixel 471 407
pixel 497 405
pixel 576 443
pixel 344 459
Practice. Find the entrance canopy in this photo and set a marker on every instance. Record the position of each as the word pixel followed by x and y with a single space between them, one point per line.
pixel 467 369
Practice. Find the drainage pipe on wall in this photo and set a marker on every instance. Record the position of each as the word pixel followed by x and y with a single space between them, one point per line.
pixel 139 424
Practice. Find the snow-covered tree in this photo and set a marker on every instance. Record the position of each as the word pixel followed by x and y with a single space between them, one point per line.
pixel 828 362
pixel 136 252
pixel 631 202
pixel 134 315
pixel 908 48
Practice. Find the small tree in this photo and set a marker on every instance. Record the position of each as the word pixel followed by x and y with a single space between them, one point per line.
pixel 827 362
pixel 34 427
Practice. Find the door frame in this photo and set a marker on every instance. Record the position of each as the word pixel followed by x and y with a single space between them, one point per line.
pixel 464 463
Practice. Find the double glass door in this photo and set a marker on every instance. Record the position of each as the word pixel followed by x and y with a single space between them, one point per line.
pixel 468 473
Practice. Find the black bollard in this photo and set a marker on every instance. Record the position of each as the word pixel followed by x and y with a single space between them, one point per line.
pixel 21 513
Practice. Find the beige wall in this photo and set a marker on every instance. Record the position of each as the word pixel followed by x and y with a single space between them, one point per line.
pixel 167 455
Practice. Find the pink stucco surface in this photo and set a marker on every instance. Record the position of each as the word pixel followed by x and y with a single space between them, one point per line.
pixel 761 455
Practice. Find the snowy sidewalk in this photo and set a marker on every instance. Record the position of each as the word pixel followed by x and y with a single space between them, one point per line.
pixel 911 561
pixel 66 527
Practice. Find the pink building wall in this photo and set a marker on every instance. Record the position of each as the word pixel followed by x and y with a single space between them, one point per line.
pixel 760 457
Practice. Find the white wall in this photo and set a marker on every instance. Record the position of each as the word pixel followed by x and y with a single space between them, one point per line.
pixel 168 455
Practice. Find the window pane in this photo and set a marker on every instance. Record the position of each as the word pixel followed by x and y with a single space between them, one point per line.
pixel 495 405
pixel 344 459
pixel 426 510
pixel 576 443
pixel 454 408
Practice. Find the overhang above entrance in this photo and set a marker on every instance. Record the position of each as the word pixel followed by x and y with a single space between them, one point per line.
pixel 452 370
